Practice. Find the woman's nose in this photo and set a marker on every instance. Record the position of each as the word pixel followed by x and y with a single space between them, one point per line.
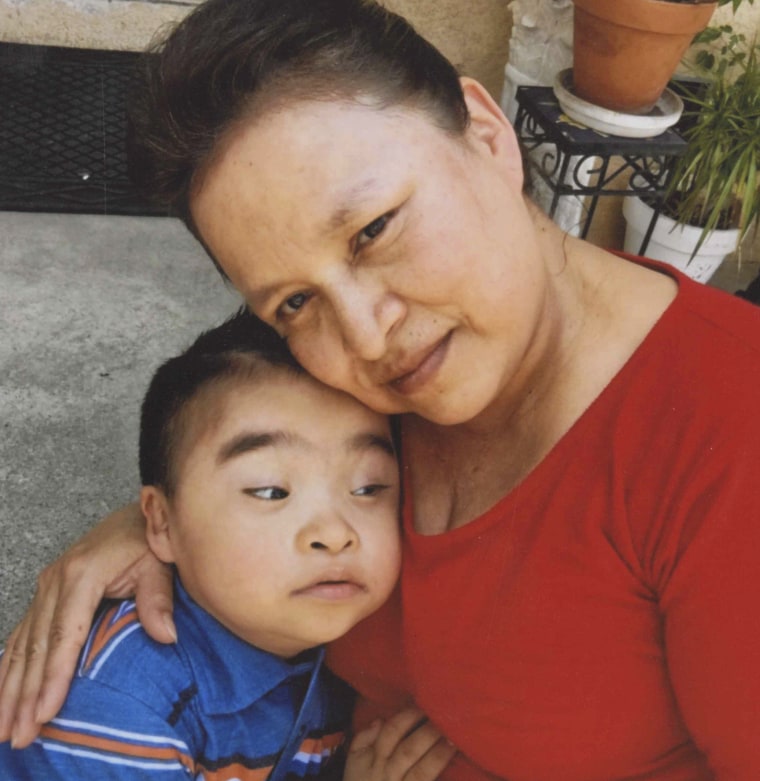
pixel 367 314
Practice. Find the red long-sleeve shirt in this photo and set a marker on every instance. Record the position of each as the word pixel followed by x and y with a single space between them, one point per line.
pixel 602 621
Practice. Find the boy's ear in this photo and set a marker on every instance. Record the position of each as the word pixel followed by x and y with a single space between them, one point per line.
pixel 155 508
pixel 490 127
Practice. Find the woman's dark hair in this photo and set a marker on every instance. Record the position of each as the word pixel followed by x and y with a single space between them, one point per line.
pixel 229 59
pixel 241 348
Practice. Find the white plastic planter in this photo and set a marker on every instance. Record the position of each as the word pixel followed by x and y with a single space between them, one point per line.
pixel 665 114
pixel 673 243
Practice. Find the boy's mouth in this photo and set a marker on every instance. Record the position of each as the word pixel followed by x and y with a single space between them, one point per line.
pixel 332 589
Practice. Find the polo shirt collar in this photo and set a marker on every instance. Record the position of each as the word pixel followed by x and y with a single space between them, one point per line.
pixel 230 673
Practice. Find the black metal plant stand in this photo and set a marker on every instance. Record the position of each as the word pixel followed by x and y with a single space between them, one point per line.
pixel 573 151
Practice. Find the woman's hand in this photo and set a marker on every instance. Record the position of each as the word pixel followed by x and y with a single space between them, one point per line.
pixel 406 747
pixel 112 560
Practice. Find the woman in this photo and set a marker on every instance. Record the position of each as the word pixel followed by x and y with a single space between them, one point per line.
pixel 579 591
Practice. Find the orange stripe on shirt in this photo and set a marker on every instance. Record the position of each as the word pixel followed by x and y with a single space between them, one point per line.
pixel 318 745
pixel 236 771
pixel 106 632
pixel 84 740
pixel 311 746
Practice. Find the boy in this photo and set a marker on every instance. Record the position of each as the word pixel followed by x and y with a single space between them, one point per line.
pixel 276 499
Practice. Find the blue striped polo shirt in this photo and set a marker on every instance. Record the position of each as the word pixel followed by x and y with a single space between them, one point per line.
pixel 209 707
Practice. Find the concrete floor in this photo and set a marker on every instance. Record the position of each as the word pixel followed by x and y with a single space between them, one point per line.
pixel 89 306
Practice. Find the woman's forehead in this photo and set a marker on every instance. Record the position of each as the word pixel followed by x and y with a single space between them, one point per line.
pixel 331 137
pixel 314 162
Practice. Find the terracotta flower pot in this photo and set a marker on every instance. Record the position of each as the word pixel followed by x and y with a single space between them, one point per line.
pixel 625 51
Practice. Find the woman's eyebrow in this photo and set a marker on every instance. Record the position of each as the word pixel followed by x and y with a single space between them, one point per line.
pixel 350 202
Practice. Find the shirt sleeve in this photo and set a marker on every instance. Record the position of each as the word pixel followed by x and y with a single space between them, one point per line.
pixel 711 609
pixel 102 734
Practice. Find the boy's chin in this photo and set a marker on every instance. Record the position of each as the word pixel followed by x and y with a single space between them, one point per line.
pixel 328 631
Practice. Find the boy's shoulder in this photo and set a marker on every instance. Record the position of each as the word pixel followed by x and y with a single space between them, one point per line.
pixel 121 713
pixel 213 689
pixel 120 657
pixel 207 665
pixel 209 670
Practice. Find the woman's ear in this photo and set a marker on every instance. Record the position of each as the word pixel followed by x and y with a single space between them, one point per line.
pixel 489 126
pixel 155 508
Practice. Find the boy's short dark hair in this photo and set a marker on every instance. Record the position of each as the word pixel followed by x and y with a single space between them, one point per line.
pixel 229 58
pixel 238 349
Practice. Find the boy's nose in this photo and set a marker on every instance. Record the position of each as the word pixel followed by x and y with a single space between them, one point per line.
pixel 329 532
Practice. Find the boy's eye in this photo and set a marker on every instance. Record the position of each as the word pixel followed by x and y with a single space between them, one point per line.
pixel 271 493
pixel 370 490
pixel 373 230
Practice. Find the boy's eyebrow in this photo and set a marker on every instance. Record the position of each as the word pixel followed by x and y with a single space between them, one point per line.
pixel 251 440
pixel 256 440
pixel 368 440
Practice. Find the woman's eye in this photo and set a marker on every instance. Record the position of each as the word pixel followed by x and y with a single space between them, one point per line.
pixel 293 304
pixel 370 490
pixel 370 232
pixel 270 493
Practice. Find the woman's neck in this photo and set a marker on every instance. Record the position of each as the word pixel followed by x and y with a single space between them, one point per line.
pixel 599 310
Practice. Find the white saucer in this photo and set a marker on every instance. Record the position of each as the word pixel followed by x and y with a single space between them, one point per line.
pixel 665 113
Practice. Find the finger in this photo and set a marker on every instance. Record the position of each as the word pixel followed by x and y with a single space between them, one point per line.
pixel 4 658
pixel 432 763
pixel 396 729
pixel 412 749
pixel 29 655
pixel 67 630
pixel 12 666
pixel 154 598
pixel 366 738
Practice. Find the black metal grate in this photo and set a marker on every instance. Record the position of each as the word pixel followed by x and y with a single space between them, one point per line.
pixel 62 131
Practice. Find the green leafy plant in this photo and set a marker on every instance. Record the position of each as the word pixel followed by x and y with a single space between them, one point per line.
pixel 734 3
pixel 727 49
pixel 715 184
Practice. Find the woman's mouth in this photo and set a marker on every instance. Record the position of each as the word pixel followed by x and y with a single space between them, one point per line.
pixel 424 370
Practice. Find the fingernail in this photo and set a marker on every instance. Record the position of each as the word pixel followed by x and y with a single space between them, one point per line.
pixel 169 624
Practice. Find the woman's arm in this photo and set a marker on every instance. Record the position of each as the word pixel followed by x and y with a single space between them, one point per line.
pixel 112 560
